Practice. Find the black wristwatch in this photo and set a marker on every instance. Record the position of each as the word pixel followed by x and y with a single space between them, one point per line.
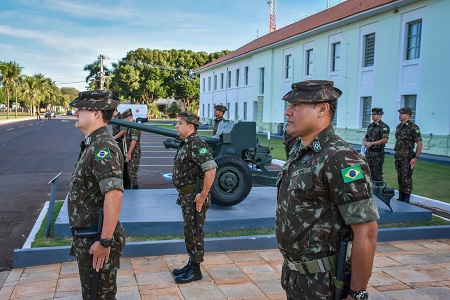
pixel 105 242
pixel 359 295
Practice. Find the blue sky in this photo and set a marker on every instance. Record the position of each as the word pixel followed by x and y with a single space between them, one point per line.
pixel 59 37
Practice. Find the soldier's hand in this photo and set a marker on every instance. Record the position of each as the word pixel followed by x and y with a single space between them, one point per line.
pixel 100 255
pixel 199 201
pixel 412 163
pixel 128 158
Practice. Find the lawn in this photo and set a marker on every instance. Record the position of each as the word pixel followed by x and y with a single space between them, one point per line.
pixel 13 116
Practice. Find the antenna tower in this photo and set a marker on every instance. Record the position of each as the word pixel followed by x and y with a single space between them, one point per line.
pixel 273 14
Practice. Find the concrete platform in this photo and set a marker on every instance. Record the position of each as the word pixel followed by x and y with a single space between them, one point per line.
pixel 155 212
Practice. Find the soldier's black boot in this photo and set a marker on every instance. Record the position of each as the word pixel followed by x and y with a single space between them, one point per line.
pixel 135 187
pixel 192 274
pixel 401 196
pixel 407 196
pixel 180 271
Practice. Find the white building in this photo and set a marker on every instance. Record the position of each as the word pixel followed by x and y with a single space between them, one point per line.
pixel 380 53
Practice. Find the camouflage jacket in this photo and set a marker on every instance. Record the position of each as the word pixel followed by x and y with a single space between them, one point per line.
pixel 133 134
pixel 376 132
pixel 216 124
pixel 323 189
pixel 98 170
pixel 193 158
pixel 406 135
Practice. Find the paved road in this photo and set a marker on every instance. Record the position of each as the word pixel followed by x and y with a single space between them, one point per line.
pixel 32 153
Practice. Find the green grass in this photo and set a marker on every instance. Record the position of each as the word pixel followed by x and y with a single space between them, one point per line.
pixel 12 115
pixel 435 221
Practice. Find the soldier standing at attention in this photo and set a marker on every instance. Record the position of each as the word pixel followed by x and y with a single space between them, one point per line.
pixel 324 198
pixel 116 129
pixel 219 111
pixel 407 133
pixel 133 157
pixel 97 184
pixel 376 137
pixel 193 159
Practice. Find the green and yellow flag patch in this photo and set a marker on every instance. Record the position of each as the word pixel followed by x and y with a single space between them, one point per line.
pixel 352 173
pixel 202 151
pixel 101 154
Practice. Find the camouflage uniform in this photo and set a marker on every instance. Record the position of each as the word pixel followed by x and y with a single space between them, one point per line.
pixel 406 135
pixel 288 142
pixel 375 154
pixel 97 171
pixel 133 164
pixel 217 121
pixel 193 158
pixel 323 188
pixel 115 130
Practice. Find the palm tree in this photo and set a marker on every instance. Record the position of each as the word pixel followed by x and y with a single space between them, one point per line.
pixel 10 72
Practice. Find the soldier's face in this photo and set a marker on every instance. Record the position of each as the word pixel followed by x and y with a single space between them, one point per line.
pixel 301 119
pixel 184 129
pixel 376 117
pixel 403 117
pixel 218 113
pixel 84 119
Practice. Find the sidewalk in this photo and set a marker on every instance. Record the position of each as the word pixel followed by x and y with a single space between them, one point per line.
pixel 402 270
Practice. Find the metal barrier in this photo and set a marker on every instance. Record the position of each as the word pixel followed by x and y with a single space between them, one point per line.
pixel 51 204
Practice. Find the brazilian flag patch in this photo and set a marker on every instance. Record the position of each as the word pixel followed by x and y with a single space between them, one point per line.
pixel 101 154
pixel 202 151
pixel 352 173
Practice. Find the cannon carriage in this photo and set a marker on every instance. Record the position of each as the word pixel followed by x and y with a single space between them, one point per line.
pixel 240 158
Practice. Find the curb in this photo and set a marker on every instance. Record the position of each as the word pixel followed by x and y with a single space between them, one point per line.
pixel 50 255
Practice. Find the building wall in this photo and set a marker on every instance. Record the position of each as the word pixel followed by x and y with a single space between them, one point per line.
pixel 386 82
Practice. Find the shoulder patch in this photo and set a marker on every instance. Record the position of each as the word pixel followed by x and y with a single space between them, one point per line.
pixel 417 130
pixel 352 173
pixel 102 153
pixel 202 151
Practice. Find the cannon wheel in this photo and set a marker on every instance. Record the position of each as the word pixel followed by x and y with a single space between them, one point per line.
pixel 233 181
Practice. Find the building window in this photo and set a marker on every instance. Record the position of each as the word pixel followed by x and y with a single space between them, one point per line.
pixel 215 82
pixel 209 109
pixel 335 56
pixel 413 42
pixel 203 108
pixel 245 111
pixel 236 114
pixel 221 81
pixel 287 66
pixel 229 79
pixel 204 84
pixel 369 50
pixel 209 84
pixel 309 61
pixel 237 77
pixel 410 101
pixel 246 75
pixel 261 81
pixel 228 111
pixel 366 111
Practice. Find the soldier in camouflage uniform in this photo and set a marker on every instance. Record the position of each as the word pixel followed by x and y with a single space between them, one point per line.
pixel 96 184
pixel 324 197
pixel 133 156
pixel 193 159
pixel 219 111
pixel 405 158
pixel 116 129
pixel 376 137
pixel 288 142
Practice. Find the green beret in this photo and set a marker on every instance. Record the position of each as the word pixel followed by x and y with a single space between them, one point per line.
pixel 127 113
pixel 190 117
pixel 377 111
pixel 95 100
pixel 405 110
pixel 312 91
pixel 221 108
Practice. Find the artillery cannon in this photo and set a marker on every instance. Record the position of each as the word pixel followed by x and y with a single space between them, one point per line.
pixel 240 159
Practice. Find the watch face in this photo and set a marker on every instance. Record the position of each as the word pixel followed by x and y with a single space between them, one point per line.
pixel 363 295
pixel 106 242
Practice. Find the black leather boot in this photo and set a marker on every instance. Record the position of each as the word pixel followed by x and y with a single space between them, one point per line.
pixel 180 271
pixel 407 196
pixel 401 196
pixel 192 274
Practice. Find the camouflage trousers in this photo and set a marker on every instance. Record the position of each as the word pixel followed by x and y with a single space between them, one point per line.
pixel 107 282
pixel 375 161
pixel 306 287
pixel 195 245
pixel 404 174
pixel 133 167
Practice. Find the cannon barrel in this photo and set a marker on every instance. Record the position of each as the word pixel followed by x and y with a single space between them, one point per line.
pixel 158 130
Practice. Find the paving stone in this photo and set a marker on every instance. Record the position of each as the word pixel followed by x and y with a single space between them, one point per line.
pixel 68 284
pixel 35 290
pixel 14 275
pixel 382 279
pixel 384 261
pixel 69 268
pixel 148 263
pixel 244 256
pixel 259 271
pixel 3 276
pixel 270 254
pixel 436 292
pixel 6 292
pixel 128 293
pixel 434 245
pixel 408 246
pixel 69 295
pixel 169 293
pixel 126 278
pixel 408 259
pixel 407 294
pixel 226 274
pixel 217 258
pixel 434 258
pixel 201 290
pixel 438 274
pixel 125 264
pixel 407 275
pixel 241 290
pixel 272 288
pixel 155 279
pixel 387 247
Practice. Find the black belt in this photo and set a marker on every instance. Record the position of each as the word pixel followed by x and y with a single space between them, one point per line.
pixel 375 149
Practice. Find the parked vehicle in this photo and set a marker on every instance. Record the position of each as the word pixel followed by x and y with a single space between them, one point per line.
pixel 69 113
pixel 140 111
